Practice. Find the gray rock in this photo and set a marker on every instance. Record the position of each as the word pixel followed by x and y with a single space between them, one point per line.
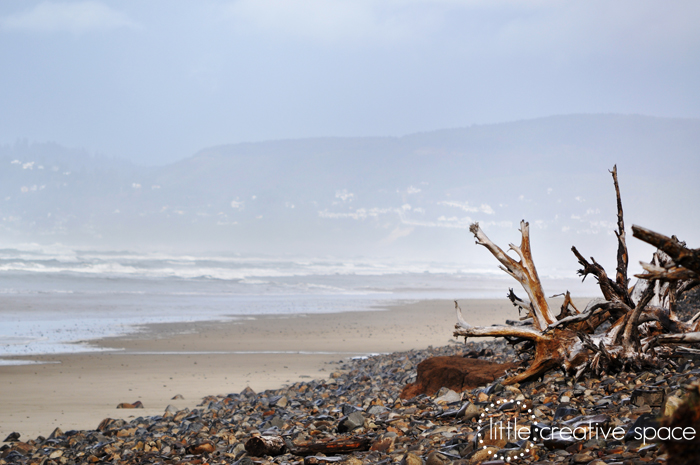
pixel 671 403
pixel 12 437
pixel 555 440
pixel 347 409
pixel 470 411
pixel 595 443
pixel 377 409
pixel 248 392
pixel 411 459
pixel 277 421
pixel 565 410
pixel 594 420
pixel 171 409
pixel 436 458
pixel 353 421
pixel 651 396
pixel 442 391
pixel 494 389
pixel 448 397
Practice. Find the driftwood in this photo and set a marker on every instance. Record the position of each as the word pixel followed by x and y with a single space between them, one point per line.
pixel 640 321
pixel 337 446
pixel 260 446
pixel 675 249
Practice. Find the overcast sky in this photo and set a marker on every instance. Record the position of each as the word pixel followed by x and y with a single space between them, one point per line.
pixel 156 81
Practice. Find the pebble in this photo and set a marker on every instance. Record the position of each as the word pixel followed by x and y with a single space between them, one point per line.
pixel 448 397
pixel 470 411
pixel 171 409
pixel 436 458
pixel 670 405
pixel 360 400
pixel 411 459
pixel 351 422
pixel 136 404
pixel 12 437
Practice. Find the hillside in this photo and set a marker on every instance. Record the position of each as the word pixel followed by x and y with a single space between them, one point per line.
pixel 412 196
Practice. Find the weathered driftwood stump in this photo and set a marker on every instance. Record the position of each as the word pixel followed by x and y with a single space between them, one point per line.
pixel 453 372
pixel 628 328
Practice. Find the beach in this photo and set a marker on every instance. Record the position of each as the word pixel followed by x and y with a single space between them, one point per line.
pixel 193 360
pixel 290 389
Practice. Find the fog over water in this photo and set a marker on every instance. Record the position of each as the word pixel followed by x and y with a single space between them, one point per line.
pixel 57 301
pixel 178 161
pixel 375 198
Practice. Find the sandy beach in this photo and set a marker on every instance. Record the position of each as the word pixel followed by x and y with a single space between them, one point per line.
pixel 77 391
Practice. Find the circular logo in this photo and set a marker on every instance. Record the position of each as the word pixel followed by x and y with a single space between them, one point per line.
pixel 507 423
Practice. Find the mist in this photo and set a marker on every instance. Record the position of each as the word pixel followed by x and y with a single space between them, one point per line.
pixel 394 198
pixel 348 129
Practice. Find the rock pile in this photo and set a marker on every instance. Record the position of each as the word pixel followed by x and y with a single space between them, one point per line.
pixel 356 416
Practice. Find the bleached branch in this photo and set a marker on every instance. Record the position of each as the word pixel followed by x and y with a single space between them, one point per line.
pixel 523 271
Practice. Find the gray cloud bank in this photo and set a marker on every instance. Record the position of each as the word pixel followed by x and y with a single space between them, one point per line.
pixel 155 81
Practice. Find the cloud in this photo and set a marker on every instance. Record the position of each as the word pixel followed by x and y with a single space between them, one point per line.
pixel 357 20
pixel 404 218
pixel 531 27
pixel 582 27
pixel 327 20
pixel 76 18
pixel 359 214
pixel 484 208
pixel 344 195
pixel 397 233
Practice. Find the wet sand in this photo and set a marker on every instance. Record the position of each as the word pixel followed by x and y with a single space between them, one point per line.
pixel 208 358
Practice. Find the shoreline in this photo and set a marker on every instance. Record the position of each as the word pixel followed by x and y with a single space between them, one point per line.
pixel 205 358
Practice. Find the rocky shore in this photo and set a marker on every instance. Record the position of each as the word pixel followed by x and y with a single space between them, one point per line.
pixel 355 415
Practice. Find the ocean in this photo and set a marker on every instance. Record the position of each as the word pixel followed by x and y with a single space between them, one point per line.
pixel 58 299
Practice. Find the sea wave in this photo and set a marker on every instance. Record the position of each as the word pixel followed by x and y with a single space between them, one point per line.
pixel 58 300
pixel 60 260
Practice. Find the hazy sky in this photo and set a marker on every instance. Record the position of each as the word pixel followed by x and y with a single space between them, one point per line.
pixel 156 81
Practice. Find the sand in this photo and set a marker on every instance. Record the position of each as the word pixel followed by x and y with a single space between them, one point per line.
pixel 77 391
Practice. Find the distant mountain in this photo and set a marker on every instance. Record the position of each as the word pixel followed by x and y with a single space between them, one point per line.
pixel 412 196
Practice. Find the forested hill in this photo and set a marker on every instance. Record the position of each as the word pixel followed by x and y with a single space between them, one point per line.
pixel 413 195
